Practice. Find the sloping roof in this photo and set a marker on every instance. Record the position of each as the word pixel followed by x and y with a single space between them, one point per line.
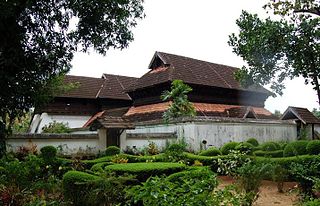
pixel 302 114
pixel 110 86
pixel 155 111
pixel 166 67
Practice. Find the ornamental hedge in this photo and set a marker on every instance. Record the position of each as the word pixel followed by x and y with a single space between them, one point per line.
pixel 144 170
pixel 313 147
pixel 212 151
pixel 270 146
pixel 277 153
pixel 226 148
pixel 112 150
pixel 253 141
pixel 295 148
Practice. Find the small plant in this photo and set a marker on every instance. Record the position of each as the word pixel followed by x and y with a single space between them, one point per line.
pixel 229 165
pixel 112 150
pixel 197 163
pixel 152 149
pixel 226 148
pixel 48 153
pixel 174 152
pixel 118 159
pixel 244 147
pixel 56 127
pixel 253 141
pixel 279 175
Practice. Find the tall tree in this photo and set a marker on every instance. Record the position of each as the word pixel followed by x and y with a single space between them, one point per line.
pixel 38 39
pixel 278 49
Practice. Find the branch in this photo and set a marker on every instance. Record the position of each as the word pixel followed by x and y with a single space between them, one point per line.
pixel 315 11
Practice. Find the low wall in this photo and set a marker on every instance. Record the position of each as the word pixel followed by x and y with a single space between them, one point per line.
pixel 215 132
pixel 67 144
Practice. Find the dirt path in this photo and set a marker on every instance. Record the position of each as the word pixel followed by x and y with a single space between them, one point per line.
pixel 269 195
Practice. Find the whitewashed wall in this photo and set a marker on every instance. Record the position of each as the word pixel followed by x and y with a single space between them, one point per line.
pixel 216 133
pixel 39 121
pixel 68 144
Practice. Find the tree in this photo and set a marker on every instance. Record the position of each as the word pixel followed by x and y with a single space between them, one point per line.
pixel 275 50
pixel 316 112
pixel 38 39
pixel 180 106
pixel 277 113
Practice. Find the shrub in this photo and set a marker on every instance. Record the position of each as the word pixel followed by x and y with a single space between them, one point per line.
pixel 277 153
pixel 56 127
pixel 48 152
pixel 144 170
pixel 112 150
pixel 76 187
pixel 152 149
pixel 212 151
pixel 296 148
pixel 99 167
pixel 313 147
pixel 244 147
pixel 174 151
pixel 270 146
pixel 253 141
pixel 226 148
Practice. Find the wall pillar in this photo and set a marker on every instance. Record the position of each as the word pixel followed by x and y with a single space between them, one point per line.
pixel 102 139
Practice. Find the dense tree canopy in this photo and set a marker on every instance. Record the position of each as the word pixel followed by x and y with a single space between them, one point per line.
pixel 278 49
pixel 38 39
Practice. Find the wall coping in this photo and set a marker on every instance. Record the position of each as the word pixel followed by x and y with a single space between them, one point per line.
pixel 53 136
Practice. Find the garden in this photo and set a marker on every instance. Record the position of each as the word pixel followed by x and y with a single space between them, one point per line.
pixel 234 174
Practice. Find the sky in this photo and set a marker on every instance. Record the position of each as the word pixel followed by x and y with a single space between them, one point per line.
pixel 193 28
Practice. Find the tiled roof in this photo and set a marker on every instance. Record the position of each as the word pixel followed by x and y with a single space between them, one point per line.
pixel 110 86
pixel 167 67
pixel 302 114
pixel 155 111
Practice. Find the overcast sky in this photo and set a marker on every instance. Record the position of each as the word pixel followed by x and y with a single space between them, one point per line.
pixel 192 28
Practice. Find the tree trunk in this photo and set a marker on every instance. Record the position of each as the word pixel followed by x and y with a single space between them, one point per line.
pixel 316 82
pixel 2 139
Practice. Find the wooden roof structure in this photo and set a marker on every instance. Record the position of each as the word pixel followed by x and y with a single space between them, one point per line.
pixel 302 114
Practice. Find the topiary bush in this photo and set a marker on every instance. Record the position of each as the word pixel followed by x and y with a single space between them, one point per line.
pixel 99 167
pixel 296 148
pixel 277 153
pixel 48 152
pixel 253 141
pixel 144 170
pixel 77 185
pixel 212 151
pixel 313 147
pixel 270 146
pixel 226 148
pixel 245 147
pixel 112 150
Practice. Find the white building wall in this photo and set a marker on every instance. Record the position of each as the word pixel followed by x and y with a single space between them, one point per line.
pixel 215 133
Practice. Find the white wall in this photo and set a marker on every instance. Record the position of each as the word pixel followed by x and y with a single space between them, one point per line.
pixel 73 121
pixel 216 133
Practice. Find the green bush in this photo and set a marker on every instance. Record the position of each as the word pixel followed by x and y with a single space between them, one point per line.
pixel 314 202
pixel 144 170
pixel 99 167
pixel 253 141
pixel 77 185
pixel 212 151
pixel 112 150
pixel 313 147
pixel 296 148
pixel 270 146
pixel 245 147
pixel 226 148
pixel 277 153
pixel 56 127
pixel 48 152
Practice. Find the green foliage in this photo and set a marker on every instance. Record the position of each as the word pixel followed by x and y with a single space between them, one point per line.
pixel 144 170
pixel 295 148
pixel 152 149
pixel 99 167
pixel 279 175
pixel 39 38
pixel 180 106
pixel 174 151
pixel 226 148
pixel 189 188
pixel 276 153
pixel 278 49
pixel 212 151
pixel 313 147
pixel 245 147
pixel 316 112
pixel 112 150
pixel 56 127
pixel 229 164
pixel 76 187
pixel 48 152
pixel 21 124
pixel 253 141
pixel 270 146
pixel 313 202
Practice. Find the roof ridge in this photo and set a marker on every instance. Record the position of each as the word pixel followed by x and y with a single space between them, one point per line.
pixel 99 91
pixel 119 75
pixel 219 75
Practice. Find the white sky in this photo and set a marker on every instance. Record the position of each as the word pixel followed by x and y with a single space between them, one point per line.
pixel 192 28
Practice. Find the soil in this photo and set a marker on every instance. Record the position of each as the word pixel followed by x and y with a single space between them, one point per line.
pixel 268 193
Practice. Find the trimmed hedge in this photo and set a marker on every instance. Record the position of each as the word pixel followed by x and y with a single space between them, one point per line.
pixel 112 150
pixel 245 147
pixel 212 151
pixel 48 152
pixel 99 167
pixel 253 141
pixel 144 170
pixel 226 148
pixel 270 146
pixel 76 186
pixel 295 148
pixel 277 153
pixel 313 147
